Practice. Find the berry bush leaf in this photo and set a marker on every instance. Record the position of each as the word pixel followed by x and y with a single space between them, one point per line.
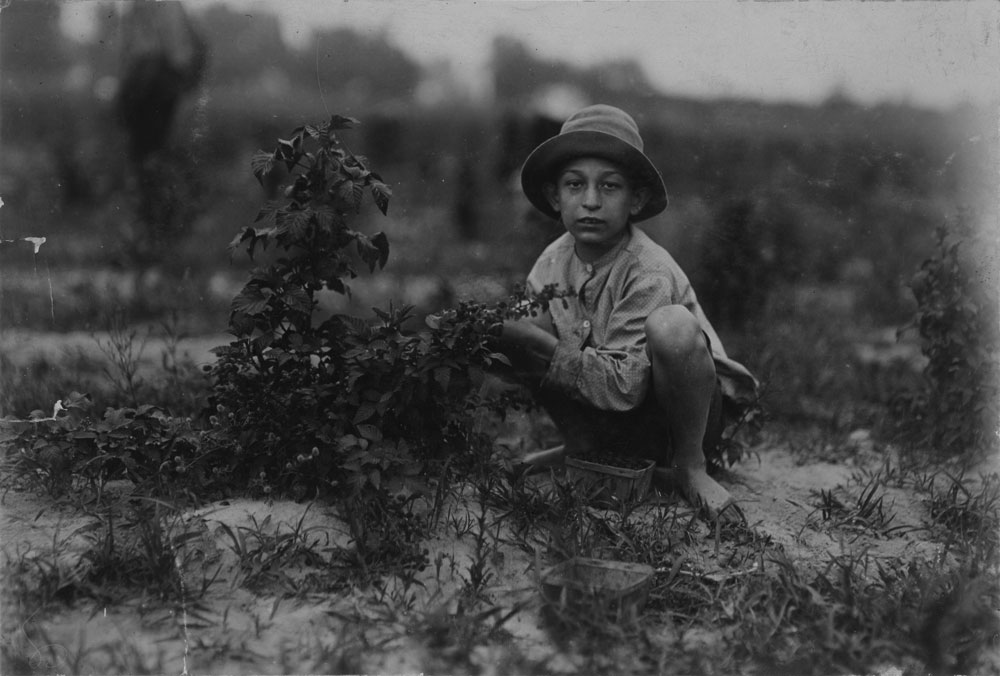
pixel 370 432
pixel 261 164
pixel 338 122
pixel 381 194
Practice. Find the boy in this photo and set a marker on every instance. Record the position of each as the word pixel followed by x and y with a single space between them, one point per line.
pixel 630 364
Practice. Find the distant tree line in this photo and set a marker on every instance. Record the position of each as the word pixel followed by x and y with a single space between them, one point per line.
pixel 761 194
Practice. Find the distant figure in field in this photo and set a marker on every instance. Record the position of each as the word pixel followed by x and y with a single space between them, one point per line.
pixel 163 59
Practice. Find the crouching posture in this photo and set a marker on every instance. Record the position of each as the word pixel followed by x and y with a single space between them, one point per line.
pixel 629 364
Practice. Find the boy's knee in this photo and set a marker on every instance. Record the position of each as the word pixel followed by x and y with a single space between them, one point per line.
pixel 672 331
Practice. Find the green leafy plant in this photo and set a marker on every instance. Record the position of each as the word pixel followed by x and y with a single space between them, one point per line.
pixel 453 636
pixel 346 407
pixel 123 349
pixel 866 513
pixel 265 552
pixel 70 448
pixel 957 317
pixel 148 548
pixel 965 514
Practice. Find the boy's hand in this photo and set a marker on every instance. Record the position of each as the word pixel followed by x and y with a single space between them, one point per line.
pixel 529 345
pixel 526 332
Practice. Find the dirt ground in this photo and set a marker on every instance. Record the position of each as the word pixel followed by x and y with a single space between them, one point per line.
pixel 234 630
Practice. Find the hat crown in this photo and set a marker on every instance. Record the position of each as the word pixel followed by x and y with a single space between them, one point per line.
pixel 607 120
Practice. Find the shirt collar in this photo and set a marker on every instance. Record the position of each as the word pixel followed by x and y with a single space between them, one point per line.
pixel 610 255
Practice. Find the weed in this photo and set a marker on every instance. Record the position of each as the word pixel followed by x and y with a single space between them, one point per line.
pixel 387 535
pixel 266 553
pixel 34 580
pixel 183 388
pixel 972 519
pixel 149 551
pixel 573 529
pixel 124 349
pixel 867 512
pixel 148 554
pixel 685 597
pixel 453 631
pixel 478 575
pixel 523 503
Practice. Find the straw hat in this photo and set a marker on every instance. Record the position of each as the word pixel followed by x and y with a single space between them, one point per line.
pixel 595 131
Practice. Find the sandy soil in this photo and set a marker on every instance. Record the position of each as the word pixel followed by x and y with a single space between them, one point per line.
pixel 234 630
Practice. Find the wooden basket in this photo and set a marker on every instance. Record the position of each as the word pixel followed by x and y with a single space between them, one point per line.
pixel 607 485
pixel 594 586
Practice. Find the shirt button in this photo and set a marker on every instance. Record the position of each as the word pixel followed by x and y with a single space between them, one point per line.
pixel 586 324
pixel 589 269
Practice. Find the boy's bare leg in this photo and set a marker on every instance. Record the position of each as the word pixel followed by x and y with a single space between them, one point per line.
pixel 684 381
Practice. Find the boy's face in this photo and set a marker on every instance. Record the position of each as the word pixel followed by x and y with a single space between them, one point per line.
pixel 595 199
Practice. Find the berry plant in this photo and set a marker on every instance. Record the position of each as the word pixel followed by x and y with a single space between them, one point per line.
pixel 957 318
pixel 345 407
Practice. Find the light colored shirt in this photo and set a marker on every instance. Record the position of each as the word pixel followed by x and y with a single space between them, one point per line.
pixel 601 356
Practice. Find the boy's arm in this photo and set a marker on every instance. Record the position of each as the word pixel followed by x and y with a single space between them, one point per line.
pixel 612 375
pixel 615 373
pixel 531 345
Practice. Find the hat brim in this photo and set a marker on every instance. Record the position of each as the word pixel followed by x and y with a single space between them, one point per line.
pixel 551 155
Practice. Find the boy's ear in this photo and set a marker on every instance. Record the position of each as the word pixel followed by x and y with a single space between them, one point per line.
pixel 639 199
pixel 552 195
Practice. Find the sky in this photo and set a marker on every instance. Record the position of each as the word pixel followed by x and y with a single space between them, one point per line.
pixel 933 54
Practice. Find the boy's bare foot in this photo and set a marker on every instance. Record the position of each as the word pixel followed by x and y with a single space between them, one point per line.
pixel 702 492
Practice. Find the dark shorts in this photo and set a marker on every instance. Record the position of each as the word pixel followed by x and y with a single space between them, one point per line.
pixel 642 432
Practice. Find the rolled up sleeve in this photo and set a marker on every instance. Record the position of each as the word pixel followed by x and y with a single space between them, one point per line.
pixel 606 365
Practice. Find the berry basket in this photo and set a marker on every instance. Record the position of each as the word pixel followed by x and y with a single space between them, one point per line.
pixel 596 587
pixel 609 485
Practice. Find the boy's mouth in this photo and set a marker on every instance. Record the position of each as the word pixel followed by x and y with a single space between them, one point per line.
pixel 590 221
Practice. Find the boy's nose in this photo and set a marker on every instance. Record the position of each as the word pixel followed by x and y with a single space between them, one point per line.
pixel 592 198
